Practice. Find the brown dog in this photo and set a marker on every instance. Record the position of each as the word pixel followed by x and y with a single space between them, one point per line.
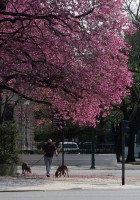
pixel 26 168
pixel 62 170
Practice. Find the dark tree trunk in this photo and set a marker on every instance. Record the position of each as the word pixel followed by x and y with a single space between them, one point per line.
pixel 0 107
pixel 134 123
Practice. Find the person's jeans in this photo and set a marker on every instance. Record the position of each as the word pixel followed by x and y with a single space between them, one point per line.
pixel 48 163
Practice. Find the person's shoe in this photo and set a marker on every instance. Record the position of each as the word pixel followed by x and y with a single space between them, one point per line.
pixel 48 175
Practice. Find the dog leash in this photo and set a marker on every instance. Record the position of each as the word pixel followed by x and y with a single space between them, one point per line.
pixel 36 161
pixel 41 158
pixel 58 160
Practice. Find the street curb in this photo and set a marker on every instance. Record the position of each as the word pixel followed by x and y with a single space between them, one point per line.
pixel 107 187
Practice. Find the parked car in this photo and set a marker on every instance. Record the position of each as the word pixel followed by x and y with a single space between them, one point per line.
pixel 69 147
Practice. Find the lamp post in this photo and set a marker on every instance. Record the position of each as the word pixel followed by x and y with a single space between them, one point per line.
pixel 93 149
pixel 124 129
pixel 56 124
pixel 62 146
pixel 64 125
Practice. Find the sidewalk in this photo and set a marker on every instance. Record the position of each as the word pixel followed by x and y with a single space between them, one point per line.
pixel 80 178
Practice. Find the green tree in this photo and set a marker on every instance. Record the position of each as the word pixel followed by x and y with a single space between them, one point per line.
pixel 130 107
pixel 45 131
pixel 8 143
pixel 134 101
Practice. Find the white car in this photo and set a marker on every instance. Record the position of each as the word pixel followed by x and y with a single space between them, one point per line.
pixel 69 147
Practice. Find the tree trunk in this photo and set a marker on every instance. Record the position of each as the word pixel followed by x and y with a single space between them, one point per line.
pixel 0 107
pixel 133 130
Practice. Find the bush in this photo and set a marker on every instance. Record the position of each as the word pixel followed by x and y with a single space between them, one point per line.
pixel 8 143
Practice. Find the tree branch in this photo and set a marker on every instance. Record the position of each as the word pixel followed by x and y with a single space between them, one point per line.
pixel 24 96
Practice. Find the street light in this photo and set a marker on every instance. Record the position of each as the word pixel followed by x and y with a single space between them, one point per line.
pixel 56 123
pixel 124 129
pixel 64 125
pixel 93 149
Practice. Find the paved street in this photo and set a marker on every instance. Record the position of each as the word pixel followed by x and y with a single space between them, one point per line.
pixel 115 194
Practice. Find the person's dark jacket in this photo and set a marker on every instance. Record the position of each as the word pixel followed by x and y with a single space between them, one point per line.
pixel 49 149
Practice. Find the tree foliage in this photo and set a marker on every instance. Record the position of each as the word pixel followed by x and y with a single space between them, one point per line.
pixel 67 54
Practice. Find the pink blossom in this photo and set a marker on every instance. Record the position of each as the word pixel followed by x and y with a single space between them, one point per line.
pixel 69 54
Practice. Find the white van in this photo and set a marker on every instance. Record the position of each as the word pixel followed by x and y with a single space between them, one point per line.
pixel 69 147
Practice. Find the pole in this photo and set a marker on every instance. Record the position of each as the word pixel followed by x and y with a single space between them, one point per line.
pixel 93 150
pixel 123 158
pixel 62 146
pixel 123 153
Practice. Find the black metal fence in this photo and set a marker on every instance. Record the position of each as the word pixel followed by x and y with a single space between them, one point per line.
pixel 98 149
pixel 84 148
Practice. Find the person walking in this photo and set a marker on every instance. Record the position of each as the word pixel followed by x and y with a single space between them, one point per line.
pixel 49 151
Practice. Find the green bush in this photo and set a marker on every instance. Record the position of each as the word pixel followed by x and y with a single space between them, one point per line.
pixel 8 143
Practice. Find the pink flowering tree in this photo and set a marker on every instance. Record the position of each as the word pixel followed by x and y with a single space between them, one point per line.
pixel 70 55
